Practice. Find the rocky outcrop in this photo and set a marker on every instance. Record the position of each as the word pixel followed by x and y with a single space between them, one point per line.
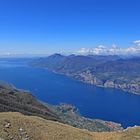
pixel 87 77
pixel 132 86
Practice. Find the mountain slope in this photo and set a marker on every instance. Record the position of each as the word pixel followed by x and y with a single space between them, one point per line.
pixel 72 63
pixel 122 74
pixel 120 65
pixel 19 127
pixel 12 99
pixel 105 71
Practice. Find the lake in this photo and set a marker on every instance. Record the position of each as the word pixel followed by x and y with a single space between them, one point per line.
pixel 93 102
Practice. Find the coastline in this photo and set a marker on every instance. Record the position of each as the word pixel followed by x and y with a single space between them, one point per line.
pixel 73 76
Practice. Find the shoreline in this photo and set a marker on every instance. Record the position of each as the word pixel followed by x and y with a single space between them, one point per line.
pixel 86 82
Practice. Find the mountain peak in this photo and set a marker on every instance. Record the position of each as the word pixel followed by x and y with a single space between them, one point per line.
pixel 56 56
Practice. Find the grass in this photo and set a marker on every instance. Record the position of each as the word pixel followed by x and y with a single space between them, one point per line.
pixel 39 129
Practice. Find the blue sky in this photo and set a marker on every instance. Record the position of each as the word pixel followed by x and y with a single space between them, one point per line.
pixel 48 26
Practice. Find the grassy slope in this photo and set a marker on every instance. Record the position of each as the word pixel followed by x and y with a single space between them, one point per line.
pixel 14 100
pixel 35 128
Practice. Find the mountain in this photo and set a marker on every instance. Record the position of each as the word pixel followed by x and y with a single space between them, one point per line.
pixel 120 65
pixel 122 74
pixel 101 70
pixel 50 61
pixel 15 100
pixel 71 63
pixel 20 127
pixel 12 99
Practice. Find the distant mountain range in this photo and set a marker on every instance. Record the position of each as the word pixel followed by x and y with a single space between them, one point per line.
pixel 71 63
pixel 102 70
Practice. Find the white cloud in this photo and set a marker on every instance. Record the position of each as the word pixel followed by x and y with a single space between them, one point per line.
pixel 137 42
pixel 113 50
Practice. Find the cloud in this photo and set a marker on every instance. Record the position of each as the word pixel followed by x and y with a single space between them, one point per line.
pixel 113 50
pixel 137 42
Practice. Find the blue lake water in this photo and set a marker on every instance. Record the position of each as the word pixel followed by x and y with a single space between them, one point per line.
pixel 93 102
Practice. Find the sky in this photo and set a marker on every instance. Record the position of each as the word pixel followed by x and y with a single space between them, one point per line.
pixel 50 26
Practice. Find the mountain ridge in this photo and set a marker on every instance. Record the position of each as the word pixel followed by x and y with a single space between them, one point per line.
pixel 15 100
pixel 106 71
